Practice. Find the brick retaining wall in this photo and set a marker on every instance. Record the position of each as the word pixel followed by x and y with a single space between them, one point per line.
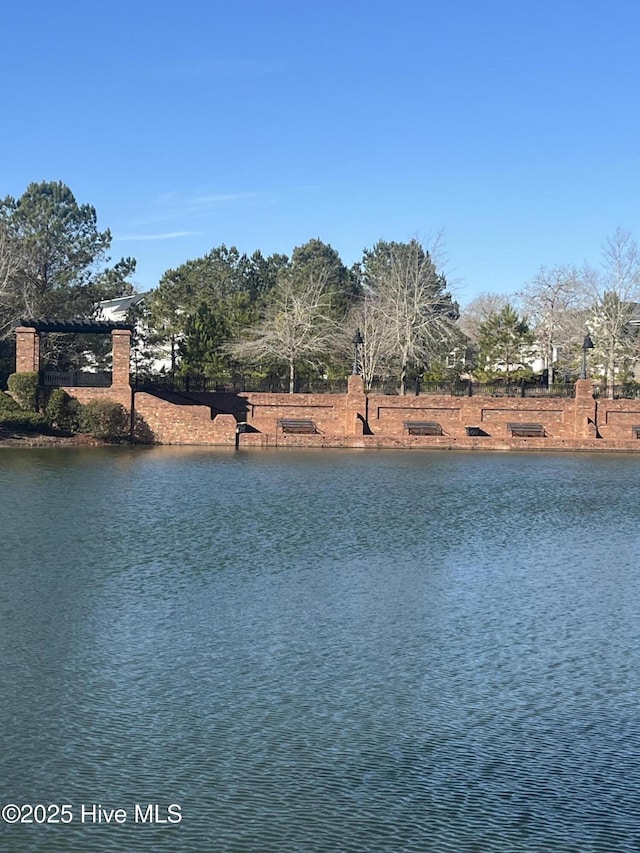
pixel 166 422
pixel 352 420
pixel 118 393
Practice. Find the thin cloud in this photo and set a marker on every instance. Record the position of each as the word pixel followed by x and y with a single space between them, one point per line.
pixel 219 198
pixel 178 208
pixel 170 235
pixel 202 204
pixel 175 207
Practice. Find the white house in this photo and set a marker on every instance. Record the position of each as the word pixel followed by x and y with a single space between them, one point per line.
pixel 117 311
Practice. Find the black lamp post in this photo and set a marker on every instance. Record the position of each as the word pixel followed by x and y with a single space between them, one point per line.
pixel 357 342
pixel 587 344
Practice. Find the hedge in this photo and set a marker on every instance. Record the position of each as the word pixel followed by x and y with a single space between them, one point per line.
pixel 62 411
pixel 14 418
pixel 24 387
pixel 105 420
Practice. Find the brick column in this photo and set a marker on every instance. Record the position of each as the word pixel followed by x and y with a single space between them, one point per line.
pixel 356 405
pixel 471 412
pixel 585 424
pixel 27 350
pixel 121 356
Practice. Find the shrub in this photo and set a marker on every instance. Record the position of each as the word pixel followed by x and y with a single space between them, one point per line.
pixel 62 410
pixel 105 420
pixel 8 405
pixel 24 387
pixel 14 418
pixel 7 361
pixel 27 421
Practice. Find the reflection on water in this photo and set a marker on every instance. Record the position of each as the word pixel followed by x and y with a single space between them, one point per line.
pixel 322 651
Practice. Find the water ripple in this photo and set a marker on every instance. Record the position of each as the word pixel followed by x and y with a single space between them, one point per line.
pixel 323 651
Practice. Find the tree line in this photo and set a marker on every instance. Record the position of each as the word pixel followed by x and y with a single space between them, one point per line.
pixel 228 312
pixel 560 310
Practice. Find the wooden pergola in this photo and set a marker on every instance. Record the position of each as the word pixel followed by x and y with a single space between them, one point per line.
pixel 28 332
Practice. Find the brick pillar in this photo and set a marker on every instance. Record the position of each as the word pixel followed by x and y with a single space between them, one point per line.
pixel 356 405
pixel 27 350
pixel 471 412
pixel 585 425
pixel 121 356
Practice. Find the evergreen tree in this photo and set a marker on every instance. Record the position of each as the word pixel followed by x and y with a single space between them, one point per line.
pixel 59 253
pixel 505 343
pixel 200 353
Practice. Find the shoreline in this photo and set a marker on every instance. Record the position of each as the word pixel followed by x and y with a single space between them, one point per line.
pixel 18 438
pixel 269 441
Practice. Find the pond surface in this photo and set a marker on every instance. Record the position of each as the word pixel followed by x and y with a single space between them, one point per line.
pixel 320 650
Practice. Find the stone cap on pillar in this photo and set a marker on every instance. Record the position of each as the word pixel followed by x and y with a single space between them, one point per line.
pixel 584 388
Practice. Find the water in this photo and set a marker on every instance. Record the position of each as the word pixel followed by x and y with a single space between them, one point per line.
pixel 321 651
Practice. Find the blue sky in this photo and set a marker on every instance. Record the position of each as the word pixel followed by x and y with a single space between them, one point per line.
pixel 512 127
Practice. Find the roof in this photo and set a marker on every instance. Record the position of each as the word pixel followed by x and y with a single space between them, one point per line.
pixel 121 304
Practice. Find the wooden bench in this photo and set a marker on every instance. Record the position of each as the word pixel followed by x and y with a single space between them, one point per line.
pixel 297 425
pixel 527 430
pixel 423 428
pixel 635 431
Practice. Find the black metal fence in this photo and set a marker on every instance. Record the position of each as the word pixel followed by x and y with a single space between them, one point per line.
pixel 239 383
pixel 303 385
pixel 630 391
pixel 280 385
pixel 75 378
pixel 472 389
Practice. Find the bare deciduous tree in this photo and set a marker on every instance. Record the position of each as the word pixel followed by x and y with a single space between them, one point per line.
pixel 374 352
pixel 13 298
pixel 478 311
pixel 555 302
pixel 615 290
pixel 408 309
pixel 296 325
